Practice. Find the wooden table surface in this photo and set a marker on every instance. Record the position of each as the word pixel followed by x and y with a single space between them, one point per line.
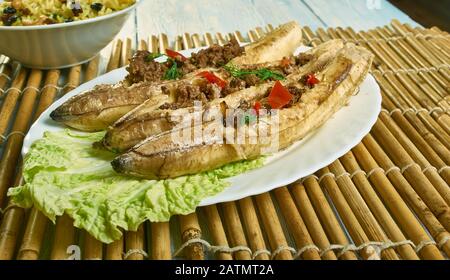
pixel 174 17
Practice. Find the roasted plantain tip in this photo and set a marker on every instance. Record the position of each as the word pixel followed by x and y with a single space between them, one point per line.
pixel 119 164
pixel 56 115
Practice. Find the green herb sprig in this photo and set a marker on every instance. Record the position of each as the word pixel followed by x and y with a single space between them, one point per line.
pixel 263 73
pixel 153 56
pixel 173 73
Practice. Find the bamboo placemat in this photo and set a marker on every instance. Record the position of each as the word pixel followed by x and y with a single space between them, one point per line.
pixel 387 198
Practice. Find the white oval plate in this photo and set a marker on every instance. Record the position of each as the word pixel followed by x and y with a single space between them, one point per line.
pixel 331 141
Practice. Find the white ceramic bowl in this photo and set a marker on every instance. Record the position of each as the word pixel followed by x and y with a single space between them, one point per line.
pixel 64 44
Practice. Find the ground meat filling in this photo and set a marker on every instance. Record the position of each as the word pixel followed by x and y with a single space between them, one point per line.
pixel 217 56
pixel 188 93
pixel 142 68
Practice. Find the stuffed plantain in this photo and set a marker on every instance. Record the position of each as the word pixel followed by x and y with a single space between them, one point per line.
pixel 313 100
pixel 96 109
pixel 146 120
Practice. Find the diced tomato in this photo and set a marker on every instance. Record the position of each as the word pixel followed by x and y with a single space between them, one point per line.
pixel 257 107
pixel 285 61
pixel 213 79
pixel 175 55
pixel 279 96
pixel 311 80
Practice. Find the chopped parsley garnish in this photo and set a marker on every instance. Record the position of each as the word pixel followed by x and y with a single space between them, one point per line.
pixel 263 73
pixel 153 56
pixel 173 73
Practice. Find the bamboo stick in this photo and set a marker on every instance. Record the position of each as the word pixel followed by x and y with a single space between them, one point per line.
pixel 405 91
pixel 93 249
pixel 127 52
pixel 160 241
pixel 398 208
pixel 114 60
pixel 114 250
pixel 135 243
pixel 413 63
pixel 32 238
pixel 14 143
pixel 5 77
pixel 413 127
pixel 217 232
pixel 11 226
pixel 313 225
pixel 143 45
pixel 295 223
pixel 235 232
pixel 209 40
pixel 421 121
pixel 220 39
pixel 416 45
pixel 376 206
pixel 419 143
pixel 432 174
pixel 190 229
pixel 153 43
pixel 37 222
pixel 359 207
pixel 413 174
pixel 272 226
pixel 347 215
pixel 64 237
pixel 11 98
pixel 414 86
pixel 326 216
pixel 409 51
pixel 394 62
pixel 407 192
pixel 252 227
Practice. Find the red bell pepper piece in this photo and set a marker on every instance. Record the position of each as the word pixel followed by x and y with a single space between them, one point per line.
pixel 257 107
pixel 175 55
pixel 213 79
pixel 311 80
pixel 285 61
pixel 279 96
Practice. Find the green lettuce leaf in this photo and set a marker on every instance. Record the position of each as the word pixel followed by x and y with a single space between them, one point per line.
pixel 65 174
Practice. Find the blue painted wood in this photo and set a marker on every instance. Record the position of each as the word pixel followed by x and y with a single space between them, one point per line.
pixel 174 17
pixel 358 14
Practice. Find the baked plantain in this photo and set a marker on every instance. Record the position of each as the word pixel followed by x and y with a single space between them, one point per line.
pixel 146 120
pixel 96 109
pixel 161 157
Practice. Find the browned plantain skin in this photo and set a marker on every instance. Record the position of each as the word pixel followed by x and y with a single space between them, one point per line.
pixel 99 108
pixel 159 157
pixel 146 120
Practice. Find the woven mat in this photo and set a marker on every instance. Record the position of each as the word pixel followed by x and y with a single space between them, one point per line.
pixel 387 198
